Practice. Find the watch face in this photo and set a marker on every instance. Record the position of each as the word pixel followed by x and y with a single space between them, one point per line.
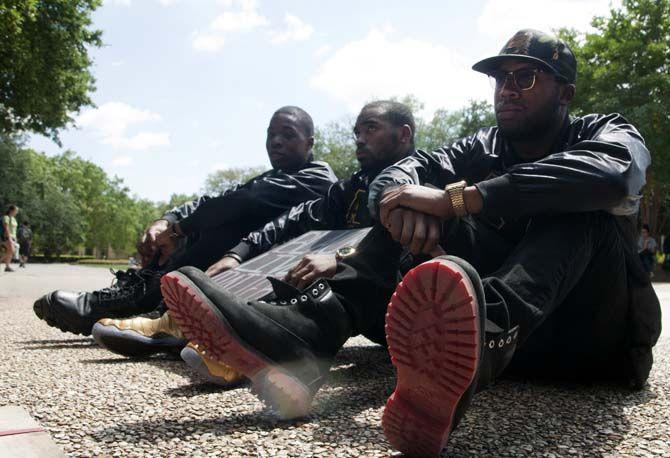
pixel 345 251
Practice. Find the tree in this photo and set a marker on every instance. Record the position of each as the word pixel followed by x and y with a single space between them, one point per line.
pixel 448 126
pixel 221 180
pixel 624 67
pixel 44 63
pixel 335 145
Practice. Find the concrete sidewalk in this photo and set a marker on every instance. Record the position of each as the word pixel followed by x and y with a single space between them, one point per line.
pixel 95 403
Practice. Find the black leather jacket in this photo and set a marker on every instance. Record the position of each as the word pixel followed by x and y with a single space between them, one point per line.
pixel 344 207
pixel 255 202
pixel 598 163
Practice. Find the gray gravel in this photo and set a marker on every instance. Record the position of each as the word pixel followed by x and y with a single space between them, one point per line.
pixel 95 403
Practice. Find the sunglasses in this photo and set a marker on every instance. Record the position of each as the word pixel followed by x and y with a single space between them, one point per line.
pixel 523 79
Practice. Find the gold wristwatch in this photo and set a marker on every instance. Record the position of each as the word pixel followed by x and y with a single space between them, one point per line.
pixel 455 193
pixel 344 252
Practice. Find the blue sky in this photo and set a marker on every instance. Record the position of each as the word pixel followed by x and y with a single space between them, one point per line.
pixel 185 87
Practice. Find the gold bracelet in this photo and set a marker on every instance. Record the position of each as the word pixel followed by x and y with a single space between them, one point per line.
pixel 455 193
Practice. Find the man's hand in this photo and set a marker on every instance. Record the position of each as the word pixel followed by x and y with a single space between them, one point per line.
pixel 420 198
pixel 147 246
pixel 225 263
pixel 311 267
pixel 419 232
pixel 165 246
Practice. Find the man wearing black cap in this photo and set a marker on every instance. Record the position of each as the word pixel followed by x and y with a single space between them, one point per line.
pixel 537 215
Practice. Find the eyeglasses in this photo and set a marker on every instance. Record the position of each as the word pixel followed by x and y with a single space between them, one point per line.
pixel 523 79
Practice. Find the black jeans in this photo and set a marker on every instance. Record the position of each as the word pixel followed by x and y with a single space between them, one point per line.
pixel 566 282
pixel 203 249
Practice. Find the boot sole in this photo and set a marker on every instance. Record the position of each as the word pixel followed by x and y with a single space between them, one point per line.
pixel 433 333
pixel 202 323
pixel 131 343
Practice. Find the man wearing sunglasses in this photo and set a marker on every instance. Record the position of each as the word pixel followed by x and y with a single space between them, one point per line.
pixel 538 217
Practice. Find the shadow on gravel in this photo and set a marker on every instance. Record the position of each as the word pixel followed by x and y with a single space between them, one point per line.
pixel 516 418
pixel 54 341
pixel 201 387
pixel 57 344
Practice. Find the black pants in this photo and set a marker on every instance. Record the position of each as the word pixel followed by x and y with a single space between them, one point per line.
pixel 203 249
pixel 566 282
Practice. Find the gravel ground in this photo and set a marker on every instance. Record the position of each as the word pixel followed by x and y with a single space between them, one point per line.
pixel 95 403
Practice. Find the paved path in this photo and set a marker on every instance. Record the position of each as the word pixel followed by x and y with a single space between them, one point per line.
pixel 96 403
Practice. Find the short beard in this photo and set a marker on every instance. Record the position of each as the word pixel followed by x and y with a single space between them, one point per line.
pixel 536 126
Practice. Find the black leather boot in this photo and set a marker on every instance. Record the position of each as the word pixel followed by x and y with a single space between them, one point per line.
pixel 436 331
pixel 135 292
pixel 285 346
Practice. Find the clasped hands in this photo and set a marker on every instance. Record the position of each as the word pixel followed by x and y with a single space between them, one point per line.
pixel 413 216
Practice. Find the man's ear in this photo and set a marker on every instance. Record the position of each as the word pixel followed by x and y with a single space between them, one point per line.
pixel 405 134
pixel 568 92
pixel 310 142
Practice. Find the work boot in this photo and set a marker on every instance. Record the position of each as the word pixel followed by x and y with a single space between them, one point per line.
pixel 132 293
pixel 210 369
pixel 436 332
pixel 285 346
pixel 141 335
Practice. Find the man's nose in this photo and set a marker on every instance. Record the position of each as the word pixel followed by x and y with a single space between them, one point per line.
pixel 276 141
pixel 509 89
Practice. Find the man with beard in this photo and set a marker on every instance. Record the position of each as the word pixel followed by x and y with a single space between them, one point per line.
pixel 538 218
pixel 384 133
pixel 198 233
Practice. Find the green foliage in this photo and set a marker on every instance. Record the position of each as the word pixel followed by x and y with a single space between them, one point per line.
pixel 221 180
pixel 175 200
pixel 334 144
pixel 44 63
pixel 70 202
pixel 447 126
pixel 624 67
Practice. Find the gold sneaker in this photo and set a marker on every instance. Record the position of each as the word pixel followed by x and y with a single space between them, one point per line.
pixel 139 336
pixel 213 371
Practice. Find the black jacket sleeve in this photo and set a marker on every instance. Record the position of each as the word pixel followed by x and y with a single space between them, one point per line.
pixel 184 210
pixel 599 164
pixel 318 214
pixel 260 199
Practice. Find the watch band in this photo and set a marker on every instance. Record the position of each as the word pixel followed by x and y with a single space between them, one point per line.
pixel 455 193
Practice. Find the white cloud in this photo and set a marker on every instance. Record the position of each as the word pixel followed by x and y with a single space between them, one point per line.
pixel 245 18
pixel 122 161
pixel 111 120
pixel 119 2
pixel 139 142
pixel 500 19
pixel 208 42
pixel 377 67
pixel 167 2
pixel 322 50
pixel 296 30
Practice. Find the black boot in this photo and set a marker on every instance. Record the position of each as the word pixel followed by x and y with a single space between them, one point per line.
pixel 141 335
pixel 436 332
pixel 135 292
pixel 284 346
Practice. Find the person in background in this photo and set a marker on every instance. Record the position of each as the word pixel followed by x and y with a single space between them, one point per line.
pixel 646 247
pixel 9 226
pixel 25 238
